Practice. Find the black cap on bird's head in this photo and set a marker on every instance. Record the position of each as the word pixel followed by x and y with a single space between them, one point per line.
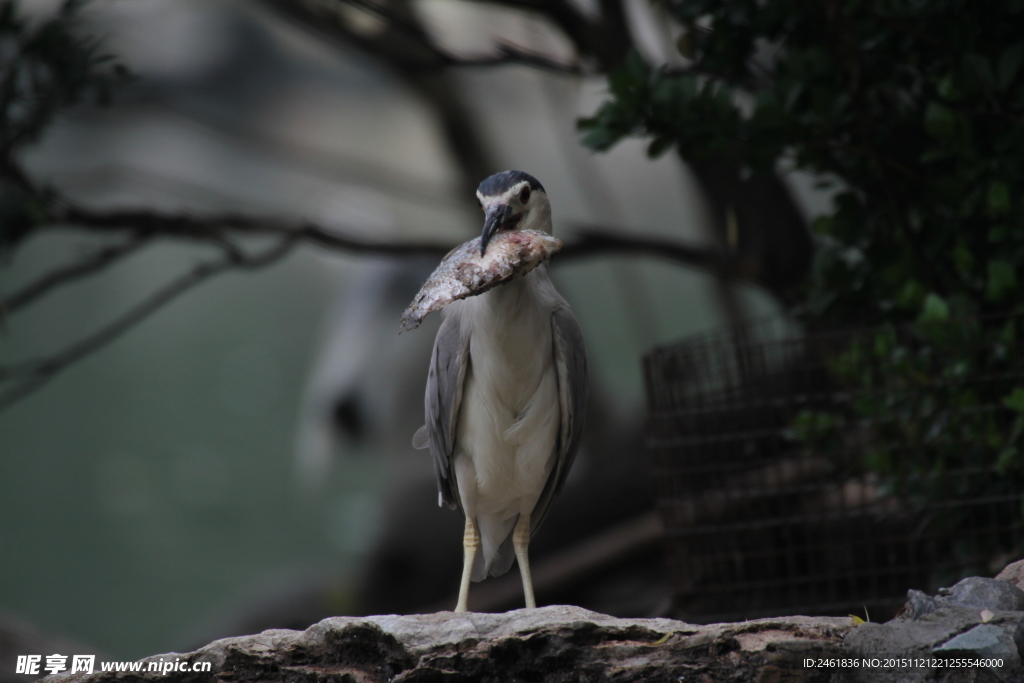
pixel 500 183
pixel 506 200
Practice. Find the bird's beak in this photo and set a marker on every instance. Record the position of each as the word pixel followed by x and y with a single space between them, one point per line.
pixel 499 217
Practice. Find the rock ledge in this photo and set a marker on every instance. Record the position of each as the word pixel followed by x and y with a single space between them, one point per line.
pixel 551 644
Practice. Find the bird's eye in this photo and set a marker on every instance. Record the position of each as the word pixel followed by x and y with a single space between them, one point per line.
pixel 524 196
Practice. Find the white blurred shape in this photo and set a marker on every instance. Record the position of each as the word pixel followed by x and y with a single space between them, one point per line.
pixel 363 361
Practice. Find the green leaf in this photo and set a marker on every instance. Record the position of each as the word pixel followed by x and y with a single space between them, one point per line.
pixel 1002 279
pixel 664 92
pixel 1006 458
pixel 822 225
pixel 634 66
pixel 998 198
pixel 938 120
pixel 934 310
pixel 659 146
pixel 620 82
pixel 628 77
pixel 1009 332
pixel 963 259
pixel 1015 401
pixel 998 233
pixel 911 296
pixel 812 426
pixel 600 138
pixel 947 88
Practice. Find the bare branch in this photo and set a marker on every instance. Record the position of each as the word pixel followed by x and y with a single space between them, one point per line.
pixel 605 38
pixel 405 24
pixel 24 378
pixel 508 54
pixel 218 227
pixel 97 261
pixel 29 376
pixel 440 57
pixel 589 240
pixel 594 240
pixel 411 55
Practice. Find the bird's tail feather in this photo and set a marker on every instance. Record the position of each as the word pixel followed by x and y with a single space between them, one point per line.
pixel 496 549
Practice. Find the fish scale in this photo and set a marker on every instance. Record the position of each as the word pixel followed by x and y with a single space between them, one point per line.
pixel 464 272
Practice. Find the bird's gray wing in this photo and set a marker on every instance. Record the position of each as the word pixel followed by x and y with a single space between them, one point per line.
pixel 573 382
pixel 442 401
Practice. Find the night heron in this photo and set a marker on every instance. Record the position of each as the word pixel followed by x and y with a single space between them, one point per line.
pixel 505 398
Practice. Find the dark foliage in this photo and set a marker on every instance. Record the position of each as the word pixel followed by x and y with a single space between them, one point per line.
pixel 913 111
pixel 45 67
pixel 913 108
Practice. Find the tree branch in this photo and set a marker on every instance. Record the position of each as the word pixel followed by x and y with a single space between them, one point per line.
pixel 439 57
pixel 509 54
pixel 29 376
pixel 589 240
pixel 24 378
pixel 100 259
pixel 594 240
pixel 416 63
pixel 218 227
pixel 605 38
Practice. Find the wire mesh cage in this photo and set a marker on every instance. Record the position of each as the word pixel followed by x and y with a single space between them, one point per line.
pixel 830 473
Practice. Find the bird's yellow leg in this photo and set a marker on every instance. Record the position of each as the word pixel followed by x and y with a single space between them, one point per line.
pixel 521 541
pixel 470 544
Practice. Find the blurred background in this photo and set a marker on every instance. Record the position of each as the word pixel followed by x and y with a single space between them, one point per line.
pixel 239 457
pixel 237 448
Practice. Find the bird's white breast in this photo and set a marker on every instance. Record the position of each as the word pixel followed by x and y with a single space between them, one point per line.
pixel 508 422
